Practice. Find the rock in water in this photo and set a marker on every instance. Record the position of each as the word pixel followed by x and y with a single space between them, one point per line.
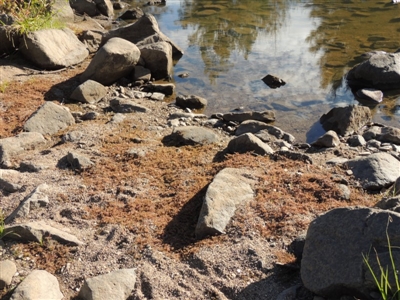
pixel 273 82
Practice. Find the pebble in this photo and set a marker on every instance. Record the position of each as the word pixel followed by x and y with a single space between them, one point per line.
pixel 366 153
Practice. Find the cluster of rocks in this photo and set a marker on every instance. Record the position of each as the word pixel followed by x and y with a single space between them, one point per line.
pixel 332 262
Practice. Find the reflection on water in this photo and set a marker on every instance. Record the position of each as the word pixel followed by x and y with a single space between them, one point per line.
pixel 231 44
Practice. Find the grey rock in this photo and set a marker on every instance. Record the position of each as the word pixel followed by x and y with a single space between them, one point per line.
pixel 248 142
pixel 329 139
pixel 37 231
pixel 11 146
pixel 373 143
pixel 49 119
pixel 295 156
pixel 332 263
pixel 372 95
pixel 33 167
pixel 116 59
pixel 117 118
pixel 252 126
pixel 390 203
pixel 72 136
pixel 158 59
pixel 116 285
pixel 344 192
pixel 157 96
pixel 93 7
pixel 337 161
pixel 346 120
pixel 53 48
pixel 8 269
pixel 37 198
pixel 375 171
pixel 192 135
pixel 262 116
pixel 141 73
pixel 91 39
pixel 39 284
pixel 79 161
pixel 191 101
pixel 356 140
pixel 10 181
pixel 121 105
pixel 166 89
pixel 229 189
pixel 380 71
pixel 90 115
pixel 385 134
pixel 142 32
pixel 62 11
pixel 89 92
pixel 132 14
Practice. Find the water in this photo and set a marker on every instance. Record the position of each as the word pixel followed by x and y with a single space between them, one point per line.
pixel 230 45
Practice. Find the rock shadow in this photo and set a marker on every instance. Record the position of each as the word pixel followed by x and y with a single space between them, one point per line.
pixel 63 90
pixel 180 231
pixel 316 130
pixel 281 278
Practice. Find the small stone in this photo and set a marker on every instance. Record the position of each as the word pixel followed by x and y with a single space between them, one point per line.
pixel 7 271
pixel 371 95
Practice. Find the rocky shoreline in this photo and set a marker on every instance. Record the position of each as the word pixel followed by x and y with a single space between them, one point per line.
pixel 111 192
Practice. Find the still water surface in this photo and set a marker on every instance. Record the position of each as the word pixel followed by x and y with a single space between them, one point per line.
pixel 230 45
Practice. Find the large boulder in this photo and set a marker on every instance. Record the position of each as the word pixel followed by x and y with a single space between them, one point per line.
pixel 346 120
pixel 53 48
pixel 381 71
pixel 9 39
pixel 144 31
pixel 93 7
pixel 332 264
pixel 116 59
pixel 376 171
pixel 49 119
pixel 39 284
pixel 158 59
pixel 229 189
pixel 117 285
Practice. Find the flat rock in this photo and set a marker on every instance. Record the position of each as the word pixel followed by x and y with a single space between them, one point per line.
pixel 8 269
pixel 356 140
pixel 53 48
pixel 371 95
pixel 248 142
pixel 37 231
pixel 252 126
pixel 116 285
pixel 11 146
pixel 229 189
pixel 191 135
pixel 346 120
pixel 49 119
pixel 375 171
pixel 262 116
pixel 39 284
pixel 116 59
pixel 89 92
pixel 121 105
